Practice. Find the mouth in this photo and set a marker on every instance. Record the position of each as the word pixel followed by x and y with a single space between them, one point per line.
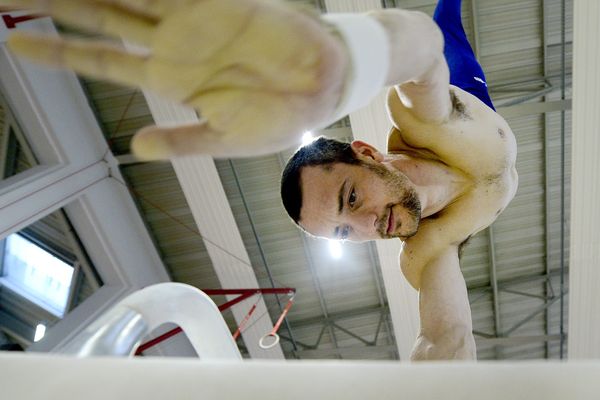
pixel 390 226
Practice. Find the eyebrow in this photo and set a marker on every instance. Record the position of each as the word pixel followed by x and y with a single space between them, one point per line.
pixel 341 197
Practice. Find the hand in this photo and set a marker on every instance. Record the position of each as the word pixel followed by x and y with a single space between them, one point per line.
pixel 259 71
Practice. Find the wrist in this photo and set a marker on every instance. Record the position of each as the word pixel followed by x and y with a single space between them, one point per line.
pixel 415 41
pixel 367 48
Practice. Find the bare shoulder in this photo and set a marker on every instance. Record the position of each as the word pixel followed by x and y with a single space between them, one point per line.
pixel 474 138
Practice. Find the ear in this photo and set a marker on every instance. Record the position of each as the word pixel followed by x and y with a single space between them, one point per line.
pixel 365 151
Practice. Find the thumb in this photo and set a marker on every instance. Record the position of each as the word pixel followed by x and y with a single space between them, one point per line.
pixel 162 143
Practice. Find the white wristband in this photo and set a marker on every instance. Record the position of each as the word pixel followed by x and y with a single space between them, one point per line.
pixel 369 49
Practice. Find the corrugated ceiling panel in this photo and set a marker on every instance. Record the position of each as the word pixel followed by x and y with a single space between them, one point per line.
pixel 475 260
pixel 166 212
pixel 121 112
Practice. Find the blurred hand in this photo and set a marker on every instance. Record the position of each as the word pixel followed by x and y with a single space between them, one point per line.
pixel 260 72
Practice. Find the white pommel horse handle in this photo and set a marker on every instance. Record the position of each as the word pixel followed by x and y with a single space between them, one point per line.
pixel 121 329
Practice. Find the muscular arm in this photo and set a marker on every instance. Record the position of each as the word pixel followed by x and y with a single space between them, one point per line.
pixel 445 314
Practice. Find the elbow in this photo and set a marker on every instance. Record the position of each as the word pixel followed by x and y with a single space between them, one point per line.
pixel 456 343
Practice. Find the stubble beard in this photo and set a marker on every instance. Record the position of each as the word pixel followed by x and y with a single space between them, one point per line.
pixel 398 188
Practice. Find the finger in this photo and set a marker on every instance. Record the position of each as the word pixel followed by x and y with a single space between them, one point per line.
pixel 96 17
pixel 94 59
pixel 158 143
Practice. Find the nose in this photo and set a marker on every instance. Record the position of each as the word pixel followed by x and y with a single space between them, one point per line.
pixel 365 223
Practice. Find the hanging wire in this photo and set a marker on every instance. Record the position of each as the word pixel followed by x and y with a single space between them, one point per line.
pixel 562 179
pixel 121 119
pixel 186 226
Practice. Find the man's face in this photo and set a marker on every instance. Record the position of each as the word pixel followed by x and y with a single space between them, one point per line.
pixel 358 202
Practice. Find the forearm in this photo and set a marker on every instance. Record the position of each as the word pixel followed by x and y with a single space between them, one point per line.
pixel 445 313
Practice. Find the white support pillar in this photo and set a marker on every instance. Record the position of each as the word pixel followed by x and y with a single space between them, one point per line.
pixel 584 268
pixel 372 124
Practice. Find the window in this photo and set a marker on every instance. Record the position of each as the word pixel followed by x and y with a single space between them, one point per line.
pixel 36 274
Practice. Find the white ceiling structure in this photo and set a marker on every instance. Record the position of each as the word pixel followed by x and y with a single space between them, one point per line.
pixel 219 223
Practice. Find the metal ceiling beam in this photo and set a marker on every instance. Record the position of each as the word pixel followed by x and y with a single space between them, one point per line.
pixel 533 314
pixel 562 173
pixel 333 317
pixel 546 90
pixel 362 352
pixel 522 110
pixel 333 322
pixel 546 122
pixel 516 281
pixel 516 340
pixel 494 285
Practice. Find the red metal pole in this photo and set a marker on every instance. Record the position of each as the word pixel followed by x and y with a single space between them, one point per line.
pixel 243 294
pixel 11 22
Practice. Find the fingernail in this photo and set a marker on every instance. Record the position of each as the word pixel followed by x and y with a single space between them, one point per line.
pixel 147 146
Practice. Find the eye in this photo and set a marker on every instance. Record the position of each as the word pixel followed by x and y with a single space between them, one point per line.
pixel 352 198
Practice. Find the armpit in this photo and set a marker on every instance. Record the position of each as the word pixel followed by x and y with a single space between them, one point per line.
pixel 459 110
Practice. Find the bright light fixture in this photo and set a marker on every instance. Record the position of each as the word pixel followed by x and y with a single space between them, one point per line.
pixel 335 248
pixel 40 331
pixel 307 138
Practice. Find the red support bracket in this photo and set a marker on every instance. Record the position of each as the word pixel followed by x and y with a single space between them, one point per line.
pixel 11 22
pixel 243 295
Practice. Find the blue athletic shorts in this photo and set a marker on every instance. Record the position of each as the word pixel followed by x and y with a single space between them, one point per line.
pixel 465 71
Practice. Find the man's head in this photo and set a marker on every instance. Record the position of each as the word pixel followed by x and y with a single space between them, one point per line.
pixel 347 191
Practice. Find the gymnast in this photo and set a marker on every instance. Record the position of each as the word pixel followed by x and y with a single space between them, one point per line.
pixel 262 72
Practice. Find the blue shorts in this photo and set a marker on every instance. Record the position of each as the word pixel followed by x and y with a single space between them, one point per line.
pixel 465 71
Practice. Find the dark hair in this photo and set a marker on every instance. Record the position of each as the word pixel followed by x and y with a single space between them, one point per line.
pixel 322 151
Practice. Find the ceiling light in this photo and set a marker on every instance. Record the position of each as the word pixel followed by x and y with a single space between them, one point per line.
pixel 40 331
pixel 335 248
pixel 307 138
